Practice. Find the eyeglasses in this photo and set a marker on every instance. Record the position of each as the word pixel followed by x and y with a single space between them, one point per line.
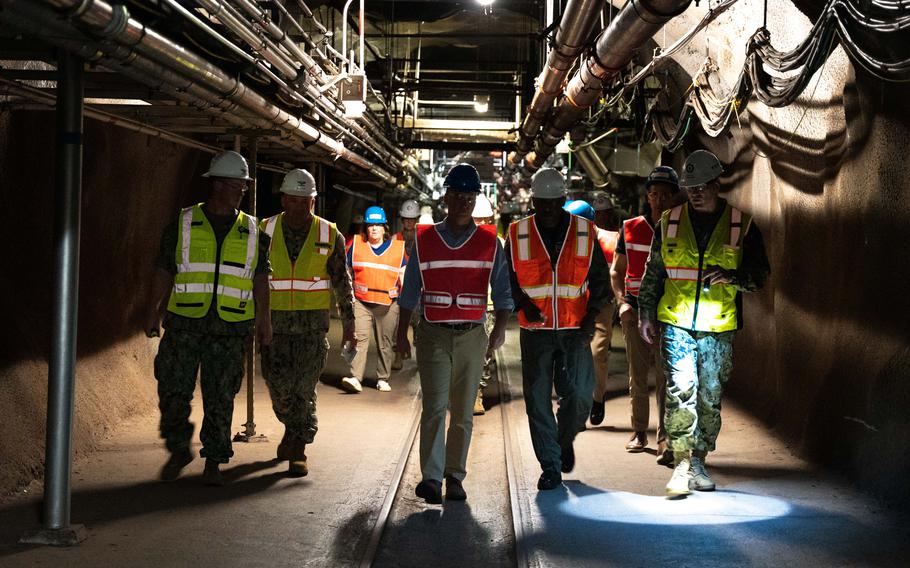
pixel 697 188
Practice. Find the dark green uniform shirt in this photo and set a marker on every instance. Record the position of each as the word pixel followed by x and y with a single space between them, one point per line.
pixel 211 323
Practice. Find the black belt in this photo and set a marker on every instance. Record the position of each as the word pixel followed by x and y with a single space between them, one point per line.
pixel 464 326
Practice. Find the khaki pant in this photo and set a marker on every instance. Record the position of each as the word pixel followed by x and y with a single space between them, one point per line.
pixel 642 358
pixel 382 321
pixel 450 364
pixel 600 349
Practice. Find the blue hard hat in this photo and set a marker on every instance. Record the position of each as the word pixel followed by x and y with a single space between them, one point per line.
pixel 374 215
pixel 663 174
pixel 462 178
pixel 581 208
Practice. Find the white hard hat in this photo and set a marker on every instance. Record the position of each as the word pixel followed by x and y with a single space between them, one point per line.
pixel 548 184
pixel 409 209
pixel 298 183
pixel 701 167
pixel 482 207
pixel 426 219
pixel 601 202
pixel 228 164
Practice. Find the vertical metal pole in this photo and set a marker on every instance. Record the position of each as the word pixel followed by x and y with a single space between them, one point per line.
pixel 62 362
pixel 250 426
pixel 62 371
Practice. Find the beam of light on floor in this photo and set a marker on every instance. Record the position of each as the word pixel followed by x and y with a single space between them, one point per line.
pixel 716 508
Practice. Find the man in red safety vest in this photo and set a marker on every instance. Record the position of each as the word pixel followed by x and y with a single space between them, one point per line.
pixel 454 266
pixel 626 274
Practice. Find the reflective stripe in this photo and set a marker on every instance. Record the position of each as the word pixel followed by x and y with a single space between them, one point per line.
pixel 232 292
pixel 437 299
pixel 673 225
pixel 197 267
pixel 640 248
pixel 193 288
pixel 375 265
pixel 736 219
pixel 323 231
pixel 570 291
pixel 252 241
pixel 470 301
pixel 524 245
pixel 270 226
pixel 582 236
pixel 299 285
pixel 689 274
pixel 455 264
pixel 187 227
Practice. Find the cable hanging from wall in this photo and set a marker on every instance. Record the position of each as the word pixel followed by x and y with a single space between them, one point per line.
pixel 778 78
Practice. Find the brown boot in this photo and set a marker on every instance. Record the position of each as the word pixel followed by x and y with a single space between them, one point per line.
pixel 297 466
pixel 478 404
pixel 284 447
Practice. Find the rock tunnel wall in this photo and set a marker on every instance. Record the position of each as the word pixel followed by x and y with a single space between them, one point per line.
pixel 824 357
pixel 133 184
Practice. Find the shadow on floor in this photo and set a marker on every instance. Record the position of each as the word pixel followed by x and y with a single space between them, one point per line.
pixel 99 507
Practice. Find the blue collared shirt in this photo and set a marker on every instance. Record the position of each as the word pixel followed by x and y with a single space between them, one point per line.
pixel 500 287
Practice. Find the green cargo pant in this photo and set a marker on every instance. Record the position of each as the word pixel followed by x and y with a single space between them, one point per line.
pixel 291 366
pixel 180 356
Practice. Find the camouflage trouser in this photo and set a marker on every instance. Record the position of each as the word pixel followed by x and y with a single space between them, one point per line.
pixel 180 355
pixel 562 360
pixel 291 366
pixel 697 365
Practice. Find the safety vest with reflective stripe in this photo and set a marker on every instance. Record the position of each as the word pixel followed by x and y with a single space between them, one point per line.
pixel 200 275
pixel 455 280
pixel 637 236
pixel 607 240
pixel 685 303
pixel 305 283
pixel 376 276
pixel 560 294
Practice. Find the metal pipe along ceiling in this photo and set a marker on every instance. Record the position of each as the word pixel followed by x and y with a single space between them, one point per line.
pixel 182 68
pixel 575 28
pixel 637 22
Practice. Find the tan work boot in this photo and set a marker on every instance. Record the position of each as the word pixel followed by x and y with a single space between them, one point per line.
pixel 478 404
pixel 297 466
pixel 678 486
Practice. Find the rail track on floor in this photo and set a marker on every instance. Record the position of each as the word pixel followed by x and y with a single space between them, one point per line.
pixel 510 451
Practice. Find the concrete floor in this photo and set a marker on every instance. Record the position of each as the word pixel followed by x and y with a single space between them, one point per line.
pixel 770 509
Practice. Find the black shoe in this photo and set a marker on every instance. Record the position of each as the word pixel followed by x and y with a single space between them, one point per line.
pixel 568 458
pixel 430 491
pixel 175 465
pixel 597 413
pixel 549 479
pixel 454 490
pixel 284 448
pixel 212 474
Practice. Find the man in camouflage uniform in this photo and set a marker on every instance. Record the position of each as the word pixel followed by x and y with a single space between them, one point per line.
pixel 308 253
pixel 212 274
pixel 704 254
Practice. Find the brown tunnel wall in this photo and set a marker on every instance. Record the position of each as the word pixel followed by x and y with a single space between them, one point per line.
pixel 825 355
pixel 133 184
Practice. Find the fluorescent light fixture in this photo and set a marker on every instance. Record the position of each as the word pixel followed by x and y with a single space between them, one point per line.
pixel 481 103
pixel 124 102
pixel 485 2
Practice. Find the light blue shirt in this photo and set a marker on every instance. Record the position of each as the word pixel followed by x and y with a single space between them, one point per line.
pixel 500 287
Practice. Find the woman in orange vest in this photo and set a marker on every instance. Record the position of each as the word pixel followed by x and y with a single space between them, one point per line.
pixel 376 262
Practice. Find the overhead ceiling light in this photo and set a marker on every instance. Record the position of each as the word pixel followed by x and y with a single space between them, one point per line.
pixel 481 103
pixel 484 2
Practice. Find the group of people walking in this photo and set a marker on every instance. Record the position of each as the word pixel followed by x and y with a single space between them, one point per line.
pixel 673 276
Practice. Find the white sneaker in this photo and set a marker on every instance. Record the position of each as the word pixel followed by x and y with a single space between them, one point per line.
pixel 351 384
pixel 383 386
pixel 678 485
pixel 700 481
